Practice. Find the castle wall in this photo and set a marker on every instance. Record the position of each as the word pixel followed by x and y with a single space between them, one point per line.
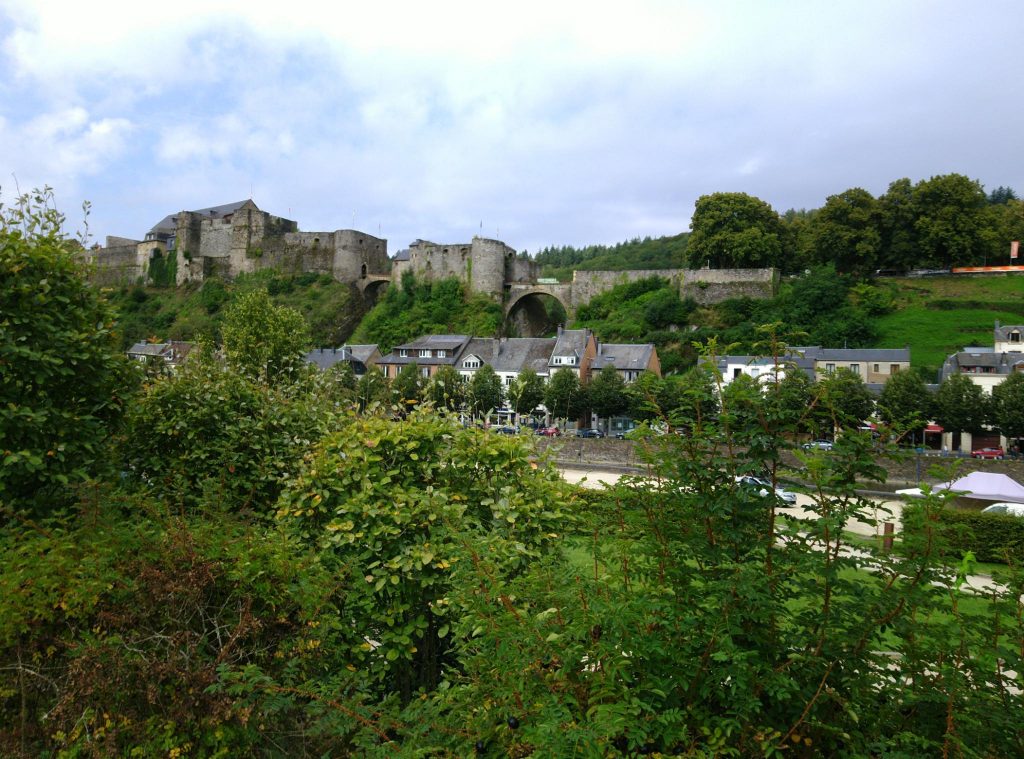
pixel 115 264
pixel 589 284
pixel 715 285
pixel 353 250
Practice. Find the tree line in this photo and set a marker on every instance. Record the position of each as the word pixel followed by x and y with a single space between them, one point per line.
pixel 937 223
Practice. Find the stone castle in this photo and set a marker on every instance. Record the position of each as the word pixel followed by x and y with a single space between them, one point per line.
pixel 232 239
pixel 236 238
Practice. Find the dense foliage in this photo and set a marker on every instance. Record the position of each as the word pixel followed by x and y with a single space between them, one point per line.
pixel 995 538
pixel 63 380
pixel 646 253
pixel 331 309
pixel 423 308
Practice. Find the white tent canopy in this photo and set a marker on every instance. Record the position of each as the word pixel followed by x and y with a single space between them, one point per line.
pixel 984 486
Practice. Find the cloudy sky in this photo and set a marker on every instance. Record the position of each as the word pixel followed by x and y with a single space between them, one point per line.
pixel 538 122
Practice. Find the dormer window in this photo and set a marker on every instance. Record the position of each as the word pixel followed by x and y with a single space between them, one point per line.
pixel 403 352
pixel 442 354
pixel 471 363
pixel 1015 336
pixel 424 353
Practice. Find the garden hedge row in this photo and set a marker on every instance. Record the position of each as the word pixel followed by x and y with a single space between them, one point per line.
pixel 992 537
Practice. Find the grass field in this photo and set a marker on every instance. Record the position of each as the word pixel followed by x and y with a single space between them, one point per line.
pixel 939 316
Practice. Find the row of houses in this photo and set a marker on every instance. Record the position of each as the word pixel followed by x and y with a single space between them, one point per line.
pixel 575 349
pixel 873 365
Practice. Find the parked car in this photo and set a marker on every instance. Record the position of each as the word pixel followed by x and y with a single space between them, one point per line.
pixel 988 453
pixel 1006 509
pixel 506 430
pixel 764 487
pixel 821 445
pixel 548 431
pixel 589 432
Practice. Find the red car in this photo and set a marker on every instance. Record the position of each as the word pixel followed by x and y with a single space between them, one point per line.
pixel 988 453
pixel 548 431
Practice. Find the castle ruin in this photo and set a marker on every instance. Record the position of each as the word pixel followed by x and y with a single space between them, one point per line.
pixel 236 238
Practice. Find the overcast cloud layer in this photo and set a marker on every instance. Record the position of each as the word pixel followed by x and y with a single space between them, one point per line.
pixel 539 122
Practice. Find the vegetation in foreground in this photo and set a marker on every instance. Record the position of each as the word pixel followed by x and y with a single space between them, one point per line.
pixel 258 584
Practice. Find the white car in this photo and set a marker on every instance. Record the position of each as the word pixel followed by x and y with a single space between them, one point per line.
pixel 764 488
pixel 1006 509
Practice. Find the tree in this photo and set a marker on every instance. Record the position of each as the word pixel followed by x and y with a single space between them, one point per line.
pixel 845 232
pixel 211 431
pixel 899 237
pixel 950 221
pixel 961 405
pixel 845 400
pixel 261 340
pixel 526 392
pixel 1008 406
pixel 446 389
pixel 407 388
pixel 484 392
pixel 905 403
pixel 791 400
pixel 564 397
pixel 372 388
pixel 406 508
pixel 733 229
pixel 1001 195
pixel 607 393
pixel 64 383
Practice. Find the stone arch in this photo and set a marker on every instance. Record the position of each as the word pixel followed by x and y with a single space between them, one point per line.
pixel 527 308
pixel 373 287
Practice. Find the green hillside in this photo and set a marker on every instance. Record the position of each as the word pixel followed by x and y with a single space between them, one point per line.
pixel 332 309
pixel 941 315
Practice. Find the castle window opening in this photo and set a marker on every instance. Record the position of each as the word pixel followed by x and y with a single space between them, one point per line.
pixel 362 272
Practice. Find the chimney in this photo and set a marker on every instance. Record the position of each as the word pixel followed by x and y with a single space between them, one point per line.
pixel 559 330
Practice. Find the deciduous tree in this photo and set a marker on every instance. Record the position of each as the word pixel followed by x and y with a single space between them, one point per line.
pixel 733 229
pixel 63 380
pixel 483 393
pixel 264 341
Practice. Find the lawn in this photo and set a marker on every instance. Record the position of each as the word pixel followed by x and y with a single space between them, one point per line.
pixel 940 316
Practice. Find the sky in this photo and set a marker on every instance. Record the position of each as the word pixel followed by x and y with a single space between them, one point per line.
pixel 538 123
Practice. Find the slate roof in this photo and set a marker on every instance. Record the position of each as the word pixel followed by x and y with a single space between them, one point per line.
pixel 512 354
pixel 363 353
pixel 1001 333
pixel 623 356
pixel 997 363
pixel 881 355
pixel 454 344
pixel 402 255
pixel 570 342
pixel 325 358
pixel 169 224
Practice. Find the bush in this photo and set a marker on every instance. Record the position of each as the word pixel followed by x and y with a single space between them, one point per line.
pixel 990 537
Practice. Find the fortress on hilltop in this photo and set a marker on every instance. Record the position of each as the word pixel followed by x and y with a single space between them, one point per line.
pixel 236 238
pixel 232 239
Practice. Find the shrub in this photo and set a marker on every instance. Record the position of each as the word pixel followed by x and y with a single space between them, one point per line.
pixel 990 537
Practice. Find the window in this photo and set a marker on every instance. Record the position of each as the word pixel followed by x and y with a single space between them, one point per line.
pixel 442 354
pixel 508 380
pixel 424 352
pixel 855 368
pixel 830 368
pixel 876 369
pixel 754 371
pixel 557 360
pixel 893 368
pixel 471 363
pixel 403 352
pixel 424 371
pixel 1015 337
pixel 736 372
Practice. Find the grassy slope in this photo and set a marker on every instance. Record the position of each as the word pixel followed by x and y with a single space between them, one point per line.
pixel 924 322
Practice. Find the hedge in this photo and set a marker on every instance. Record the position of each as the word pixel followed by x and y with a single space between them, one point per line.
pixel 991 537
